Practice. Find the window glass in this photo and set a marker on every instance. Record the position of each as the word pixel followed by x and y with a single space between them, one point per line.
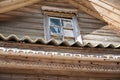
pixel 61 26
pixel 68 33
pixel 56 30
pixel 54 22
pixel 67 23
pixel 55 26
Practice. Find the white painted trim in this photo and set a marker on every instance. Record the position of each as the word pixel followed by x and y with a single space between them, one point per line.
pixel 77 30
pixel 59 54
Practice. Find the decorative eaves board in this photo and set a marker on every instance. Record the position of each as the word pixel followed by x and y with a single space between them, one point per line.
pixel 67 56
pixel 23 59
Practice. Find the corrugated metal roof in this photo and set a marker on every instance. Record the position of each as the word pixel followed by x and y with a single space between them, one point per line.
pixel 27 39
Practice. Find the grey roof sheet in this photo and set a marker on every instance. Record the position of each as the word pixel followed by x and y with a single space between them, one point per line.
pixel 55 42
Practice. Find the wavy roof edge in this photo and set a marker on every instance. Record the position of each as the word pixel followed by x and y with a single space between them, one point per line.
pixel 56 42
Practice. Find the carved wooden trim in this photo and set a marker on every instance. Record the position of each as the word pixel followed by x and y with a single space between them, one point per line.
pixel 58 14
pixel 57 9
pixel 58 55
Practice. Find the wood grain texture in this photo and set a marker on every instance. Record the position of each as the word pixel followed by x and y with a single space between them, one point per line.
pixel 47 77
pixel 15 4
pixel 29 21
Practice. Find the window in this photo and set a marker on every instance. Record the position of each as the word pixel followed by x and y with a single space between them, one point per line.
pixel 62 28
pixel 61 24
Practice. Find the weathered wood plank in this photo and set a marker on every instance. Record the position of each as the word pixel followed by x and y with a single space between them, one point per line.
pixel 111 19
pixel 57 4
pixel 83 15
pixel 22 25
pixel 17 5
pixel 113 3
pixel 107 6
pixel 87 20
pixel 101 38
pixel 47 77
pixel 29 21
pixel 24 14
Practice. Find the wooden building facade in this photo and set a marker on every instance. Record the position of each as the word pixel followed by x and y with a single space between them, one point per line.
pixel 59 40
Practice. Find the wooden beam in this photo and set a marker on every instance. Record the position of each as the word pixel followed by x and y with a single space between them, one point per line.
pixel 114 3
pixel 56 58
pixel 105 10
pixel 44 68
pixel 17 4
pixel 106 6
pixel 10 2
pixel 98 12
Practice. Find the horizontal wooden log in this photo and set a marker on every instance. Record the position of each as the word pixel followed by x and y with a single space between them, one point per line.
pixel 24 14
pixel 18 66
pixel 87 20
pixel 84 15
pixel 47 77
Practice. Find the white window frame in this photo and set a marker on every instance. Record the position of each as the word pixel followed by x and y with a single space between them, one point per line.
pixel 49 25
pixel 76 29
pixel 62 34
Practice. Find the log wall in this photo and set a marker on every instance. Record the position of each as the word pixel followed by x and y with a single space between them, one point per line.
pixel 32 77
pixel 28 22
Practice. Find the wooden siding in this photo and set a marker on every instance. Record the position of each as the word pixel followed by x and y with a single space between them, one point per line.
pixel 96 32
pixel 25 22
pixel 29 21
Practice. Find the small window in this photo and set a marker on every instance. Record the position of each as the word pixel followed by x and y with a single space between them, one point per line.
pixel 62 28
